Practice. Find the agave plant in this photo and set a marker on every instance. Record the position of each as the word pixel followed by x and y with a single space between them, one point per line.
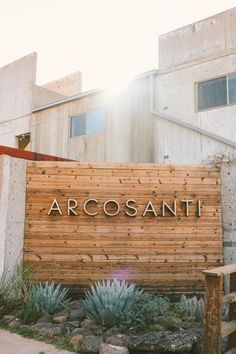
pixel 107 301
pixel 50 297
pixel 192 308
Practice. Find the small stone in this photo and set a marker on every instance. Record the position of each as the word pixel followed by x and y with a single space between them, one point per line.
pixel 45 317
pixel 15 323
pixel 76 340
pixel 87 323
pixel 76 304
pixel 62 313
pixel 8 318
pixel 112 349
pixel 75 314
pixel 119 340
pixel 48 329
pixel 59 319
pixel 112 331
pixel 90 344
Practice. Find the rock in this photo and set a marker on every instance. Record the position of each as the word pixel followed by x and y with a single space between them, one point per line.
pixel 45 317
pixel 15 323
pixel 62 313
pixel 90 344
pixel 92 330
pixel 75 304
pixel 111 331
pixel 76 340
pixel 75 314
pixel 48 329
pixel 59 319
pixel 8 318
pixel 73 324
pixel 87 323
pixel 112 349
pixel 120 340
pixel 162 341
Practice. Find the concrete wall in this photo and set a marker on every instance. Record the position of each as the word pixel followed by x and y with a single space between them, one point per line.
pixel 12 212
pixel 68 86
pixel 228 182
pixel 16 86
pixel 128 135
pixel 201 51
pixel 200 41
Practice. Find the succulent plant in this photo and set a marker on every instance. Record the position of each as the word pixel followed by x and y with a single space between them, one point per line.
pixel 50 297
pixel 106 301
pixel 192 308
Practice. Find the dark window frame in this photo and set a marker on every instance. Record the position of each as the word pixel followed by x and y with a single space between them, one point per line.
pixel 87 123
pixel 227 103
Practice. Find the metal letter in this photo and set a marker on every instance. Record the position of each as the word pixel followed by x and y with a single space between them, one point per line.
pixel 71 208
pixel 55 208
pixel 147 210
pixel 85 207
pixel 199 208
pixel 173 211
pixel 131 207
pixel 111 201
pixel 187 202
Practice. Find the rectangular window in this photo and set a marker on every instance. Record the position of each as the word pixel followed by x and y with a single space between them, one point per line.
pixel 217 92
pixel 90 123
pixel 212 93
pixel 232 88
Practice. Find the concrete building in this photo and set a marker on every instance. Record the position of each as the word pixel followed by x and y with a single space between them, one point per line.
pixel 184 112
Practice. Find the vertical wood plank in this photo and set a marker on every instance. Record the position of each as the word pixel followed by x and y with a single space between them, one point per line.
pixel 212 321
pixel 232 310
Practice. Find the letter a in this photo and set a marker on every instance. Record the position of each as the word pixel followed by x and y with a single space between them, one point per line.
pixel 55 207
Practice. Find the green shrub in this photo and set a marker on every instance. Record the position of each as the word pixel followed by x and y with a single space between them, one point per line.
pixel 12 288
pixel 144 309
pixel 30 312
pixel 107 301
pixel 49 297
pixel 191 309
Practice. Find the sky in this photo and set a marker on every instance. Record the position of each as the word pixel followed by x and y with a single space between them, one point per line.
pixel 110 41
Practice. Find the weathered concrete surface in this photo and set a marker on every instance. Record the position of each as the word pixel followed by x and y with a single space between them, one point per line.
pixel 12 212
pixel 16 86
pixel 228 190
pixel 12 343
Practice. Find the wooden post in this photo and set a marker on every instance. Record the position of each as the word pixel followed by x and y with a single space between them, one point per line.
pixel 232 310
pixel 212 322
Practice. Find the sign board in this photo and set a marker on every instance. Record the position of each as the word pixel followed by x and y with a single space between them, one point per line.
pixel 156 225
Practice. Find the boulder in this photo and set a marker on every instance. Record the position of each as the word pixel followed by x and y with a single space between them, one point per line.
pixel 161 342
pixel 76 341
pixel 59 319
pixel 45 317
pixel 75 314
pixel 48 329
pixel 112 349
pixel 15 323
pixel 90 345
pixel 8 318
pixel 87 323
pixel 92 330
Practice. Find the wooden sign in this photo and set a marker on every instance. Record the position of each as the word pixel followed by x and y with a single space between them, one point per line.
pixel 156 225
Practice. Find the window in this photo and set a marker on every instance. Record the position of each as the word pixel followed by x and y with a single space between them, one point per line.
pixel 88 123
pixel 23 141
pixel 217 92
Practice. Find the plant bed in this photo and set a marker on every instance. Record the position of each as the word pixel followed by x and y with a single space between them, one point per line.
pixel 113 313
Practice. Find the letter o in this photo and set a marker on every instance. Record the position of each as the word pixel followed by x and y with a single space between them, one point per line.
pixel 111 201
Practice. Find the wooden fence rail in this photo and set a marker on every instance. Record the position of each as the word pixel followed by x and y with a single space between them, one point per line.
pixel 214 328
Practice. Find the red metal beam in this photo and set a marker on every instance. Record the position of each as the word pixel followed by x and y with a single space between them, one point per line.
pixel 29 155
